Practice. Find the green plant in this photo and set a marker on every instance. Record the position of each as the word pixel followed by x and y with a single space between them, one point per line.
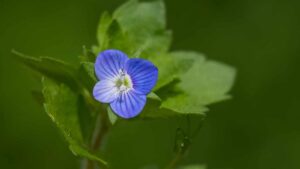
pixel 187 82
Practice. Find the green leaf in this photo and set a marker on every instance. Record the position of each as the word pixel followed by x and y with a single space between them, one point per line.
pixel 167 69
pixel 172 65
pixel 87 75
pixel 184 105
pixel 153 109
pixel 87 55
pixel 144 23
pixel 80 151
pixel 197 166
pixel 201 83
pixel 133 15
pixel 86 118
pixel 136 28
pixel 153 96
pixel 208 82
pixel 111 35
pixel 61 106
pixel 184 60
pixel 103 26
pixel 50 67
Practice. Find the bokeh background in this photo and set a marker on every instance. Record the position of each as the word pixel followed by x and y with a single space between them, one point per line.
pixel 258 129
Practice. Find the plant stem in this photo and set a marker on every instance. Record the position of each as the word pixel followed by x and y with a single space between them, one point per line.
pixel 174 161
pixel 100 131
pixel 88 164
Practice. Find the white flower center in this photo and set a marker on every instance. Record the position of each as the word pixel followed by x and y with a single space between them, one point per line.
pixel 123 82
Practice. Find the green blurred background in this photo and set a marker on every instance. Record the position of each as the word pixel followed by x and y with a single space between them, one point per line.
pixel 258 129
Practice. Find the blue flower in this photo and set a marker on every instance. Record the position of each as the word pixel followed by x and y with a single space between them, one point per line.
pixel 124 83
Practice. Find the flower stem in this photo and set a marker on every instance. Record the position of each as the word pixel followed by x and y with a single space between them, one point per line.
pixel 100 131
pixel 88 164
pixel 173 163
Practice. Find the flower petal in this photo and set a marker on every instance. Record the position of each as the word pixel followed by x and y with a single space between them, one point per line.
pixel 129 104
pixel 105 91
pixel 109 62
pixel 143 74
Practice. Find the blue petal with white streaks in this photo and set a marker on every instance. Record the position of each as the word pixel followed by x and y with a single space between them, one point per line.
pixel 143 74
pixel 129 104
pixel 105 91
pixel 109 62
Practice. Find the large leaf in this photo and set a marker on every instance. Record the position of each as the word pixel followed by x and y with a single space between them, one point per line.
pixel 167 69
pixel 172 65
pixel 201 83
pixel 184 105
pixel 61 104
pixel 208 82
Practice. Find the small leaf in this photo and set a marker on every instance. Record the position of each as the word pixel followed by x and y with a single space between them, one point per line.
pixel 61 106
pixel 87 75
pixel 104 24
pixel 87 55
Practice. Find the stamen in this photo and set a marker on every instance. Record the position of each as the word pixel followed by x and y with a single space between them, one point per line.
pixel 123 82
